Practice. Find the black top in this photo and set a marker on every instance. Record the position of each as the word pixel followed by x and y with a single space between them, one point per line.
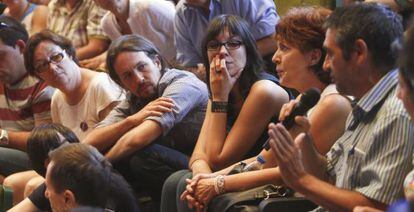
pixel 39 199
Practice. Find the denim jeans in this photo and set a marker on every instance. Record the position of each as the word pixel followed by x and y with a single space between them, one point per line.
pixel 13 161
pixel 173 187
pixel 151 166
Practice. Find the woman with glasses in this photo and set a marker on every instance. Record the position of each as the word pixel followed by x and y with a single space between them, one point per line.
pixel 83 97
pixel 243 101
pixel 299 59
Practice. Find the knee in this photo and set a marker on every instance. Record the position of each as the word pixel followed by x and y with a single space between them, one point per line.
pixel 172 182
pixel 170 190
pixel 13 181
pixel 32 185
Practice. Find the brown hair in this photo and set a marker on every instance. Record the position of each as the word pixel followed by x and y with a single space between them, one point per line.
pixel 302 28
pixel 46 35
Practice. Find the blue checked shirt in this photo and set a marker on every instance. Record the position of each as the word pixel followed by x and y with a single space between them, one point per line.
pixel 190 24
pixel 376 151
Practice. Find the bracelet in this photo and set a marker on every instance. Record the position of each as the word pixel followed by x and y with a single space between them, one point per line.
pixel 219 107
pixel 219 184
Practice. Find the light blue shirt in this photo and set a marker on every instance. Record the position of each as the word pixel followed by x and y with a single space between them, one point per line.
pixel 191 24
pixel 182 125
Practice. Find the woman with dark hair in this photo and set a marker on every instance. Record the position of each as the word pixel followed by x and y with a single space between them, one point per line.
pixel 83 97
pixel 299 59
pixel 41 141
pixel 235 124
pixel 46 139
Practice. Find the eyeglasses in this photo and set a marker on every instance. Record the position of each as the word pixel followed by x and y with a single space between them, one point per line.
pixel 54 58
pixel 230 45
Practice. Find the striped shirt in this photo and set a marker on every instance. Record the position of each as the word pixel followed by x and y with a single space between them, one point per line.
pixel 23 103
pixel 376 151
pixel 78 25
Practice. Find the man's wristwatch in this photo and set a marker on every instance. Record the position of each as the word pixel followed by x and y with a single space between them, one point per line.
pixel 4 138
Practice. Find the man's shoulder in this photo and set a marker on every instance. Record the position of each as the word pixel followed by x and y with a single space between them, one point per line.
pixel 175 75
pixel 394 106
pixel 183 83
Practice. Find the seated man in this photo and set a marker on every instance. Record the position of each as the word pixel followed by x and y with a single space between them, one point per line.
pixel 78 175
pixel 79 21
pixel 152 19
pixel 159 122
pixel 193 16
pixel 24 99
pixel 366 164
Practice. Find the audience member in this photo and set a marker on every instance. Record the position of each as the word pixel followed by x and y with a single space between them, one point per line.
pixel 42 140
pixel 159 121
pixel 365 165
pixel 299 60
pixel 79 21
pixel 193 16
pixel 25 100
pixel 235 123
pixel 405 93
pixel 83 97
pixel 78 175
pixel 152 19
pixel 33 17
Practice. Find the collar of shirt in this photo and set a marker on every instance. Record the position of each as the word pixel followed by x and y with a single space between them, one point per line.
pixel 372 98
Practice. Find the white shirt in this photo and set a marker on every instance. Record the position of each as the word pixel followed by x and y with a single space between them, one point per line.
pixel 82 117
pixel 152 19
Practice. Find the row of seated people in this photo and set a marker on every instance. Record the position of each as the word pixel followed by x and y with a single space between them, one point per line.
pixel 177 31
pixel 150 134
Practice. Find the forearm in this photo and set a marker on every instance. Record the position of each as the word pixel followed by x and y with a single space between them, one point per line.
pixel 332 198
pixel 216 138
pixel 248 180
pixel 316 166
pixel 25 205
pixel 93 48
pixel 267 45
pixel 225 171
pixel 103 138
pixel 200 167
pixel 134 140
pixel 18 140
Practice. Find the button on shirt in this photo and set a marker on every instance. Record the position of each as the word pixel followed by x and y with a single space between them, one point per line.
pixel 376 151
pixel 191 24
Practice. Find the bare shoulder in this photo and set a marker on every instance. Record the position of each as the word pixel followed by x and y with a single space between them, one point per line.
pixel 334 103
pixel 268 89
